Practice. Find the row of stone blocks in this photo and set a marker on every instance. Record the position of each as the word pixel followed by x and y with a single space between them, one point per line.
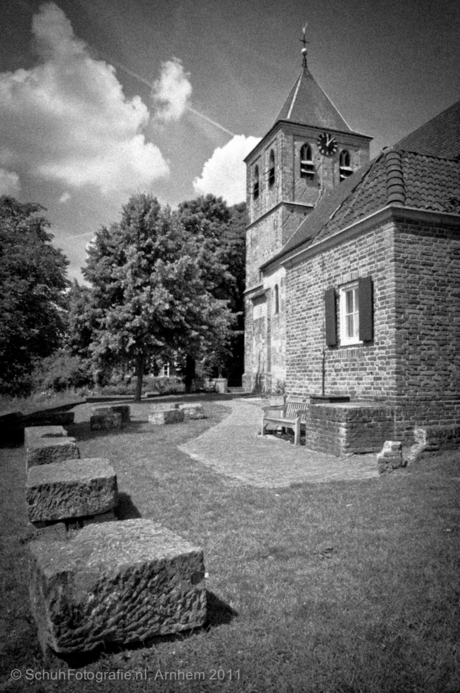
pixel 118 582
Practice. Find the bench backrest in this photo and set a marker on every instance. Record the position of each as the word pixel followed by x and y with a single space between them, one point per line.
pixel 294 404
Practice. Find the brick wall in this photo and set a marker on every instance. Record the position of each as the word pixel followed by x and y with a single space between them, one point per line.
pixel 341 429
pixel 365 372
pixel 413 363
pixel 428 323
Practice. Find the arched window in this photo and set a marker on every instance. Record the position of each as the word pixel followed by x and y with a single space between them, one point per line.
pixel 277 299
pixel 345 164
pixel 307 167
pixel 271 168
pixel 255 185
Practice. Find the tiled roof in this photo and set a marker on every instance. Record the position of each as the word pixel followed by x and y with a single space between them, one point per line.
pixel 308 104
pixel 431 183
pixel 439 137
pixel 421 182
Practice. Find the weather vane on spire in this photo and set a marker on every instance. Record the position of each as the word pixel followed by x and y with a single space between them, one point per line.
pixel 304 41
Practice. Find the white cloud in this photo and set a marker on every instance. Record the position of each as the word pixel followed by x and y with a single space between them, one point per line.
pixel 9 183
pixel 224 174
pixel 172 90
pixel 65 197
pixel 68 120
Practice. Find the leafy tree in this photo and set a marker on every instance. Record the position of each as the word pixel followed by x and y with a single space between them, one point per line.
pixel 150 290
pixel 32 293
pixel 224 231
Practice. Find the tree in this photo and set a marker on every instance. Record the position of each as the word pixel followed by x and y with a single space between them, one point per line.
pixel 224 231
pixel 32 293
pixel 150 291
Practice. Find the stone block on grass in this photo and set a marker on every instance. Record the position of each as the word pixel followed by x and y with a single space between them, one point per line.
pixel 51 450
pixel 104 419
pixel 115 583
pixel 71 489
pixel 161 417
pixel 391 457
pixel 124 410
pixel 32 433
pixel 192 410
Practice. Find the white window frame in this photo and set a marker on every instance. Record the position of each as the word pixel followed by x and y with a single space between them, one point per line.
pixel 349 319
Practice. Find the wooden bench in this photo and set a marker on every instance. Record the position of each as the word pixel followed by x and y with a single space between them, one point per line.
pixel 291 414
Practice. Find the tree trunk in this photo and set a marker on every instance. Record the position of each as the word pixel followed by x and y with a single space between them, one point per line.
pixel 189 372
pixel 139 376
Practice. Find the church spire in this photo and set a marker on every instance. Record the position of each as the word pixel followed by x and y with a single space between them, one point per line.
pixel 304 49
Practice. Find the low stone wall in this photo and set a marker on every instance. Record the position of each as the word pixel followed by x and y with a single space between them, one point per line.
pixel 115 583
pixel 349 427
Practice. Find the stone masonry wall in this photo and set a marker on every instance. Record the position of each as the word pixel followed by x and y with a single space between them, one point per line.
pixel 365 371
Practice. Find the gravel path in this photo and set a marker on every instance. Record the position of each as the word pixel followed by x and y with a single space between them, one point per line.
pixel 235 449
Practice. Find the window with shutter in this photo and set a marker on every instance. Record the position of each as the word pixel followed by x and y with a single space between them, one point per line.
pixel 356 312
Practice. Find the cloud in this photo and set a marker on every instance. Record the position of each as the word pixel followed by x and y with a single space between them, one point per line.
pixel 224 174
pixel 67 119
pixel 171 92
pixel 9 182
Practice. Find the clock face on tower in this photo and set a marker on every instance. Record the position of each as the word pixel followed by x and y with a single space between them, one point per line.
pixel 327 144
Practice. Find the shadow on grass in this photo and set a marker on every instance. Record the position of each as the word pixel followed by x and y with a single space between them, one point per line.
pixel 218 613
pixel 126 510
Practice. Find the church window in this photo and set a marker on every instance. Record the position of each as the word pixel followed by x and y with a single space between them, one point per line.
pixel 349 314
pixel 277 299
pixel 307 167
pixel 271 168
pixel 345 164
pixel 355 313
pixel 255 186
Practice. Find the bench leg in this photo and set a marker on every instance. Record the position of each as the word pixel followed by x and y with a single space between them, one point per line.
pixel 297 431
pixel 263 426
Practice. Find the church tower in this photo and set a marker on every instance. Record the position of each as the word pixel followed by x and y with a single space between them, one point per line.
pixel 309 150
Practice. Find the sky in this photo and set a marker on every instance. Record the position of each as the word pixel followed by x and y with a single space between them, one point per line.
pixel 102 99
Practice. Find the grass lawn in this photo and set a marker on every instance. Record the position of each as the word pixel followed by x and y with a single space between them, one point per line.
pixel 342 587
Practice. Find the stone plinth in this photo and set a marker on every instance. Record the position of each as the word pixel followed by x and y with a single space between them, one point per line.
pixel 70 490
pixel 391 457
pixel 161 417
pixel 32 433
pixel 115 583
pixel 221 385
pixel 51 450
pixel 348 427
pixel 104 419
pixel 192 410
pixel 125 412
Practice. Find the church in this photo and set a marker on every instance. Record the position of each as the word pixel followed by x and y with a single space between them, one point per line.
pixel 353 266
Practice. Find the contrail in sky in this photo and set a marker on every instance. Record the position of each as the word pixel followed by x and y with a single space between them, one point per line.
pixel 189 108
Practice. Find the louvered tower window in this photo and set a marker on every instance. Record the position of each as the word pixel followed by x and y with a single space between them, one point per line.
pixel 307 167
pixel 345 164
pixel 271 168
pixel 255 185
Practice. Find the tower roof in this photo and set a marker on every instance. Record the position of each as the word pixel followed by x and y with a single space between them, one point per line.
pixel 309 105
